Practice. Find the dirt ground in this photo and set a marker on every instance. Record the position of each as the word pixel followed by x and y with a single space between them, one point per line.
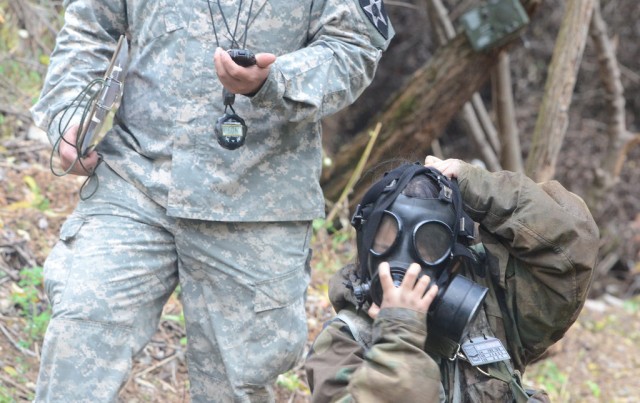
pixel 597 360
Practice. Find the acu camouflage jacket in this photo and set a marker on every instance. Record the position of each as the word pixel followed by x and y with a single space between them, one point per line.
pixel 163 138
pixel 539 247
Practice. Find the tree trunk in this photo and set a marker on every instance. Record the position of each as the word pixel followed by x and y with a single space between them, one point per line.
pixel 419 112
pixel 553 118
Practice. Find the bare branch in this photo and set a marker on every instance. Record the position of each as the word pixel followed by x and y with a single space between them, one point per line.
pixel 633 140
pixel 630 74
pixel 400 4
pixel 15 344
pixel 553 118
pixel 357 173
pixel 620 141
pixel 511 156
pixel 33 21
pixel 487 124
pixel 477 135
pixel 21 114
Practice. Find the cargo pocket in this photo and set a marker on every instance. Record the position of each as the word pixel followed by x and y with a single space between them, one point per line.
pixel 70 228
pixel 280 291
pixel 280 324
pixel 59 263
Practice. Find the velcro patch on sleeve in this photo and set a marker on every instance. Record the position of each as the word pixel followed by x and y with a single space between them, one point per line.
pixel 375 11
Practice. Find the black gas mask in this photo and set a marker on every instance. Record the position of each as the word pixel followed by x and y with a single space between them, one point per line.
pixel 402 230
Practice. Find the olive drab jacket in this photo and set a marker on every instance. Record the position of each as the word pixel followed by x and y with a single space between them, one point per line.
pixel 538 249
pixel 163 137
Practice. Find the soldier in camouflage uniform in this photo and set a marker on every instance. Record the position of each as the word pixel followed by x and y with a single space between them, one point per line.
pixel 536 257
pixel 172 207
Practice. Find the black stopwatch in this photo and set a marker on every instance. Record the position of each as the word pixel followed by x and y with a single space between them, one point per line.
pixel 231 131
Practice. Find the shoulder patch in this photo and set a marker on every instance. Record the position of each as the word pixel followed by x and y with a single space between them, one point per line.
pixel 374 10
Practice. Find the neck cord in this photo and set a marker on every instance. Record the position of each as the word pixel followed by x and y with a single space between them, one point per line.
pixel 234 43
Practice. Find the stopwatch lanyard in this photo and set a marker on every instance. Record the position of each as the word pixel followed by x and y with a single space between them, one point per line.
pixel 234 42
pixel 229 98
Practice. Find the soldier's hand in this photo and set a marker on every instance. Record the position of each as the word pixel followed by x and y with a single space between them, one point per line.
pixel 242 80
pixel 411 294
pixel 69 155
pixel 449 167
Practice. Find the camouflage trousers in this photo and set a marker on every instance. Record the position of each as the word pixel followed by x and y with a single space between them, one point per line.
pixel 118 260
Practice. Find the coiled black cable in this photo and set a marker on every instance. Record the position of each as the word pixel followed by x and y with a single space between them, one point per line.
pixel 82 102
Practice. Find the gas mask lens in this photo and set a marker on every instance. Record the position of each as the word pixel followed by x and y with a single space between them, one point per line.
pixel 432 241
pixel 386 234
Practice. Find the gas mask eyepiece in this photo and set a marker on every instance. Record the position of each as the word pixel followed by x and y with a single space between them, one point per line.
pixel 430 240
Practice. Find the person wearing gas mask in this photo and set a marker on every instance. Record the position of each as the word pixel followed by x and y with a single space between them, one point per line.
pixel 439 309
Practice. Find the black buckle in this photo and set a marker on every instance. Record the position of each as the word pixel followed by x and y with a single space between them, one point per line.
pixel 356 220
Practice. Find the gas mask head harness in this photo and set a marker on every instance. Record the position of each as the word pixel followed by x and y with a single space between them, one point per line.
pixel 398 229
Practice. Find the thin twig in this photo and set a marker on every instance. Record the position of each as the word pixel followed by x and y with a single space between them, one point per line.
pixel 356 173
pixel 630 74
pixel 29 260
pixel 401 4
pixel 16 112
pixel 21 388
pixel 156 365
pixel 44 15
pixel 16 345
pixel 166 385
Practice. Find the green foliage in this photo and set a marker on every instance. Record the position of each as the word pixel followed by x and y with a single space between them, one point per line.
pixel 18 373
pixel 27 298
pixel 6 395
pixel 632 305
pixel 550 378
pixel 340 238
pixel 594 388
pixel 332 248
pixel 179 319
pixel 318 224
pixel 38 200
pixel 292 382
pixel 27 80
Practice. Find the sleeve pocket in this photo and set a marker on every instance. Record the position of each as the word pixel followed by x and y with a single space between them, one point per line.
pixel 280 291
